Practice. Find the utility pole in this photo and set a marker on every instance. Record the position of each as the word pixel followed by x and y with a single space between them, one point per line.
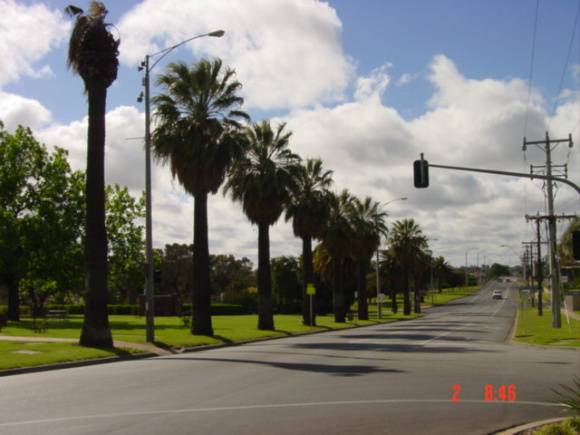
pixel 529 261
pixel 539 271
pixel 546 146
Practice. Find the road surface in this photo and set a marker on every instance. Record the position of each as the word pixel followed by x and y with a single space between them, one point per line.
pixel 387 379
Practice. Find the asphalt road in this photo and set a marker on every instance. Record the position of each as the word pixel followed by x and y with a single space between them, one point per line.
pixel 387 379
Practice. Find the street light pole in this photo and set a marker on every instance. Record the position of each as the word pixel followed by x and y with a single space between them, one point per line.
pixel 149 290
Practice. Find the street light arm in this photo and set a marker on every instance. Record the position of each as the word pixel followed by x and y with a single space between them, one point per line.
pixel 165 51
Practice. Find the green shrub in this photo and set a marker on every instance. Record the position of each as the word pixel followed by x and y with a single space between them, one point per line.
pixel 570 426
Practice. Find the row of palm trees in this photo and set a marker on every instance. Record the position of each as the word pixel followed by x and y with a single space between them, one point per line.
pixel 207 140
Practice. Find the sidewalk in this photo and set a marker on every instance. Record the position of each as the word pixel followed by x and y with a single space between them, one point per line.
pixel 146 347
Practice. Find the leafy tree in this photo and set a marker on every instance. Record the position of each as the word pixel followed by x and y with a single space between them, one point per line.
pixel 286 282
pixel 41 212
pixel 126 256
pixel 368 223
pixel 407 242
pixel 496 270
pixel 176 267
pixel 565 249
pixel 309 209
pixel 21 161
pixel 93 55
pixel 53 224
pixel 230 275
pixel 197 134
pixel 262 181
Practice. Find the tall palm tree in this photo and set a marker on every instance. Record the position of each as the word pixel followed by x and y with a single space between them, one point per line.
pixel 407 241
pixel 368 222
pixel 199 135
pixel 337 239
pixel 92 54
pixel 262 181
pixel 309 208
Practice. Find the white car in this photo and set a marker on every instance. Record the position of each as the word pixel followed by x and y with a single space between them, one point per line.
pixel 497 294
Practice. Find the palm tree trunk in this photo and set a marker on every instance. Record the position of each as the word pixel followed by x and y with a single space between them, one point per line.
pixel 13 297
pixel 265 315
pixel 406 300
pixel 417 296
pixel 338 293
pixel 308 278
pixel 394 305
pixel 201 294
pixel 96 331
pixel 363 309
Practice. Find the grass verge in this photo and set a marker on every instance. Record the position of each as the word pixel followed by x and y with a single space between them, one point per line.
pixel 15 354
pixel 170 331
pixel 570 426
pixel 534 329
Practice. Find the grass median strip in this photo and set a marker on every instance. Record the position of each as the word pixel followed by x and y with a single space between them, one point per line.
pixel 534 329
pixel 170 331
pixel 29 354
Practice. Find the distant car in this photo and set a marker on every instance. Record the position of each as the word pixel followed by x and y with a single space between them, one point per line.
pixel 497 294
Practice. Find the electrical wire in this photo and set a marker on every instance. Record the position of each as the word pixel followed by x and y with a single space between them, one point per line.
pixel 531 74
pixel 570 45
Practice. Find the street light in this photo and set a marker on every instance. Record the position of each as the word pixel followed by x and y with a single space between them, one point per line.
pixel 379 305
pixel 149 304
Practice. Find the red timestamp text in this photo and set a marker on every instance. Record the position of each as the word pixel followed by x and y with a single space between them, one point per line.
pixel 491 393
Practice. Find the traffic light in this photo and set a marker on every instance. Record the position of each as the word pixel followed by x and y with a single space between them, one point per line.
pixel 421 173
pixel 576 244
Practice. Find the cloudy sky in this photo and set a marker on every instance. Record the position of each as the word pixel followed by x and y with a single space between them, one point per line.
pixel 364 85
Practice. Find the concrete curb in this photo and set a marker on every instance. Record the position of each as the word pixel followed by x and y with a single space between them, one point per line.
pixel 107 360
pixel 73 364
pixel 534 425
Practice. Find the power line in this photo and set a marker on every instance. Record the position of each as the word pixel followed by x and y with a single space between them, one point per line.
pixel 567 61
pixel 530 76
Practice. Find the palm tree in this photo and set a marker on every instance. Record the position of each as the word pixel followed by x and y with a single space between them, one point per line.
pixel 309 208
pixel 391 267
pixel 262 181
pixel 198 134
pixel 368 223
pixel 407 241
pixel 93 55
pixel 337 239
pixel 440 269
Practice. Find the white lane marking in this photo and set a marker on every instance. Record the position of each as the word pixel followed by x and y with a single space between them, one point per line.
pixel 270 406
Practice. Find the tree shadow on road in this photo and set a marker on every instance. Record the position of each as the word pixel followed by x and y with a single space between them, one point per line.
pixel 390 347
pixel 421 337
pixel 335 370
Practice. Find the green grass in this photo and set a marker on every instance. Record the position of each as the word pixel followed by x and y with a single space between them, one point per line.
pixel 170 331
pixel 570 426
pixel 435 298
pixel 534 329
pixel 14 354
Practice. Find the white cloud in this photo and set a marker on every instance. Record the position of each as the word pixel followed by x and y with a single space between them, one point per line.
pixel 27 33
pixel 16 110
pixel 371 148
pixel 286 53
pixel 406 78
pixel 373 85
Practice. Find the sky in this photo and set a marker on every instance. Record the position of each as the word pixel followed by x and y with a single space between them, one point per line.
pixel 364 85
